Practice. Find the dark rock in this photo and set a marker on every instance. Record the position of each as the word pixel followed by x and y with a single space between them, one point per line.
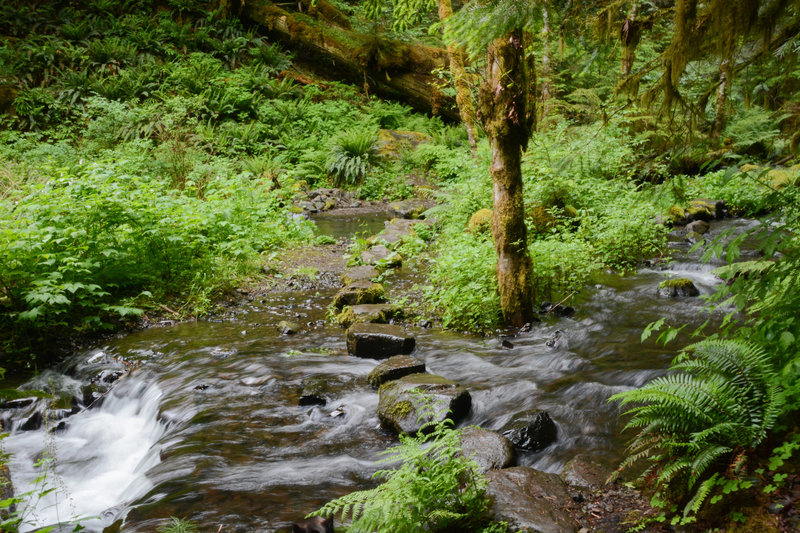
pixel 360 292
pixel 315 391
pixel 698 226
pixel 717 208
pixel 561 311
pixel 34 422
pixel 507 344
pixel 693 237
pixel 315 524
pixel 382 257
pixel 489 449
pixel 359 273
pixel 308 206
pixel 403 410
pixel 531 430
pixel 674 288
pixel 530 500
pixel 378 341
pixel 585 472
pixel 367 313
pixel 395 368
pixel 17 403
pixel 288 328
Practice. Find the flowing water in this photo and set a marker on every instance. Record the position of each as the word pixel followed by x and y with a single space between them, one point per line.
pixel 208 427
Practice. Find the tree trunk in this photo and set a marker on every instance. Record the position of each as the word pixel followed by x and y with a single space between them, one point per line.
pixel 393 69
pixel 463 95
pixel 545 72
pixel 721 106
pixel 630 34
pixel 503 110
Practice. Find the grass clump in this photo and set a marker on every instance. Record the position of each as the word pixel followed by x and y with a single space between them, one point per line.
pixel 352 155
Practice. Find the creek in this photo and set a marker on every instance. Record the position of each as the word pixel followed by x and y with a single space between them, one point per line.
pixel 208 426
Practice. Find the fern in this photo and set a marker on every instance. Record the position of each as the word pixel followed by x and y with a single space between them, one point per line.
pixel 435 488
pixel 351 156
pixel 720 398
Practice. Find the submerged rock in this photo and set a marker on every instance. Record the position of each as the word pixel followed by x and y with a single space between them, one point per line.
pixel 393 368
pixel 286 327
pixel 678 287
pixel 406 404
pixel 367 313
pixel 359 273
pixel 360 292
pixel 489 449
pixel 315 391
pixel 378 341
pixel 698 226
pixel 530 500
pixel 531 430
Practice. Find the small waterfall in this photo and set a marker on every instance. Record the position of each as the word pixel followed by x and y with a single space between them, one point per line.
pixel 99 460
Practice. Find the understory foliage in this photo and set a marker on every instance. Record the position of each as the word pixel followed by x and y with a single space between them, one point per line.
pixel 351 156
pixel 707 417
pixel 434 488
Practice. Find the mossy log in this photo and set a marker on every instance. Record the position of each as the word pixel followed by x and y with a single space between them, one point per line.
pixel 391 68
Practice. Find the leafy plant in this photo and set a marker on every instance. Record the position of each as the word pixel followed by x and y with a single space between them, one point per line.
pixel 435 488
pixel 351 156
pixel 178 525
pixel 702 422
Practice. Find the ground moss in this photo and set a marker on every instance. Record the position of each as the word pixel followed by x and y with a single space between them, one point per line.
pixel 678 283
pixel 480 221
pixel 676 213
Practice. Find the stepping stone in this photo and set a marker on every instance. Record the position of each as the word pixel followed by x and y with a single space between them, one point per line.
pixel 382 257
pixel 698 226
pixel 586 472
pixel 489 449
pixel 359 273
pixel 530 500
pixel 367 313
pixel 360 292
pixel 408 209
pixel 393 368
pixel 531 431
pixel 378 341
pixel 402 403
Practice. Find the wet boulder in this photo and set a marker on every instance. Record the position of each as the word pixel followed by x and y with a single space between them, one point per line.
pixel 378 341
pixel 393 368
pixel 489 449
pixel 360 292
pixel 585 472
pixel 530 500
pixel 677 215
pixel 315 391
pixel 698 226
pixel 679 287
pixel 706 210
pixel 382 257
pixel 359 273
pixel 367 313
pixel 531 431
pixel 406 404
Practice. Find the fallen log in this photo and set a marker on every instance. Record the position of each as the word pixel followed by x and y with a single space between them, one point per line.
pixel 390 68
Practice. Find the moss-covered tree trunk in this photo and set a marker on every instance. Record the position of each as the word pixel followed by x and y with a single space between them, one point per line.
pixel 630 34
pixel 458 61
pixel 504 111
pixel 545 73
pixel 725 78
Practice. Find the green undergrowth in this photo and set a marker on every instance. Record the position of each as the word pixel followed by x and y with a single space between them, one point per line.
pixel 579 220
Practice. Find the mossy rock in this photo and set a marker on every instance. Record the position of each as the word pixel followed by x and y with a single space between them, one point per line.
pixel 381 257
pixel 780 178
pixel 677 214
pixel 707 210
pixel 570 211
pixel 480 221
pixel 541 219
pixel 360 292
pixel 750 168
pixel 401 402
pixel 367 314
pixel 391 142
pixel 300 186
pixel 678 287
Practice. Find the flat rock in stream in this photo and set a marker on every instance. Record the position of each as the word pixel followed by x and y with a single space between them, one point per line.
pixel 531 430
pixel 359 292
pixel 393 368
pixel 678 287
pixel 530 500
pixel 402 402
pixel 491 450
pixel 367 313
pixel 359 273
pixel 382 257
pixel 378 341
pixel 408 209
pixel 395 231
